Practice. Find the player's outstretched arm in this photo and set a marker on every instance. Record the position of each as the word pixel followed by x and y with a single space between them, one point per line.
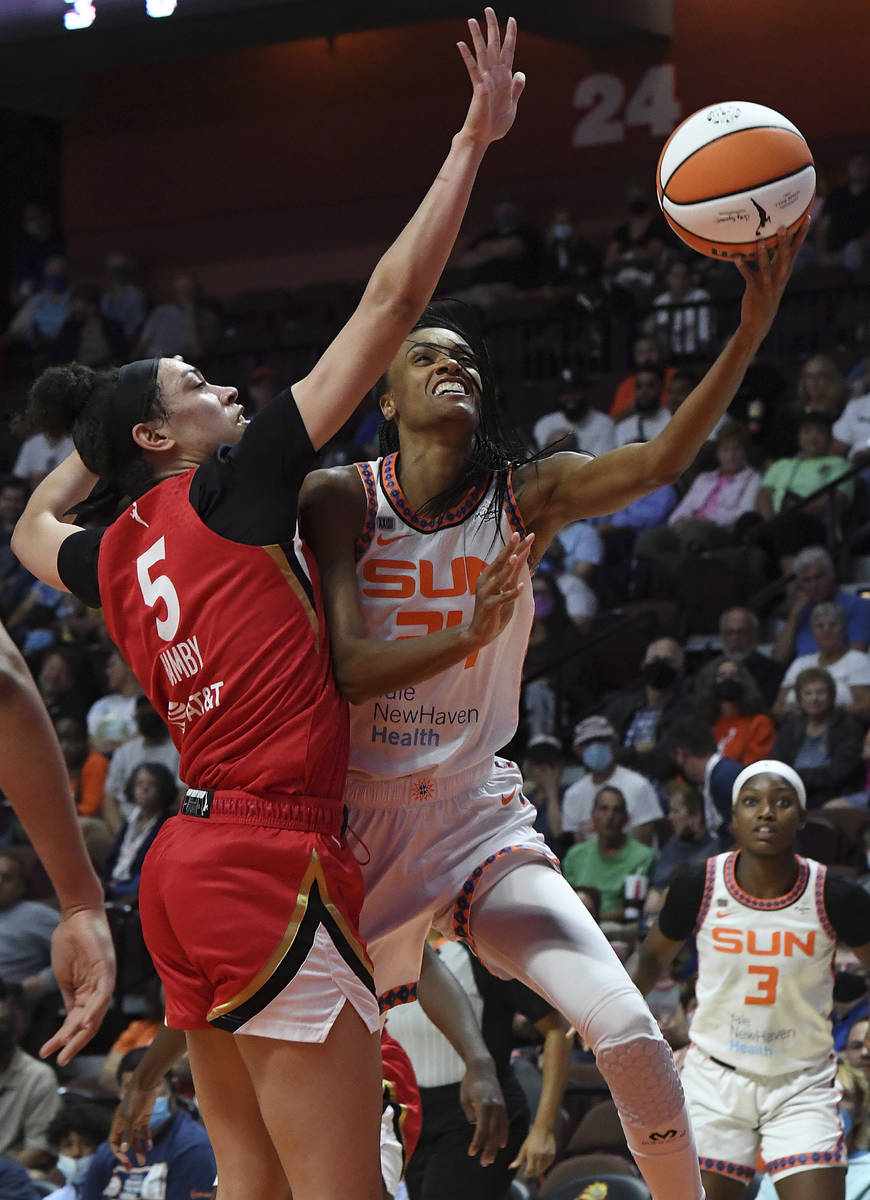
pixel 130 1134
pixel 34 780
pixel 536 1154
pixel 568 487
pixel 447 1006
pixel 405 278
pixel 651 959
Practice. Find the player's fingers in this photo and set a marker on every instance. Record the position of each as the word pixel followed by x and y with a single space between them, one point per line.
pixel 470 62
pixel 518 86
pixel 509 44
pixel 478 40
pixel 493 34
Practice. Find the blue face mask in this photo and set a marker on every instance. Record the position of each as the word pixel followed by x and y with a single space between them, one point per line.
pixel 846 1118
pixel 74 1170
pixel 597 756
pixel 160 1113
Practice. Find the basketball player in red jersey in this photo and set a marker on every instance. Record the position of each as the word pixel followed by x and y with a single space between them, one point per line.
pixel 250 897
pixel 760 1072
pixel 400 544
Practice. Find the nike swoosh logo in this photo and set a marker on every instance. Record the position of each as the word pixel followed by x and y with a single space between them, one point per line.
pixel 725 914
pixel 507 799
pixel 382 541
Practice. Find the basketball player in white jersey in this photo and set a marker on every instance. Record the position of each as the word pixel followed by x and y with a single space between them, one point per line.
pixel 760 1072
pixel 446 834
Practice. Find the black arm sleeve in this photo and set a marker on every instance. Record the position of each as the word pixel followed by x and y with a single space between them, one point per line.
pixel 77 565
pixel 848 908
pixel 249 492
pixel 679 916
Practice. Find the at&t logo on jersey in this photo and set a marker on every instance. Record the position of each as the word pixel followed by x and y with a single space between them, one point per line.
pixel 184 712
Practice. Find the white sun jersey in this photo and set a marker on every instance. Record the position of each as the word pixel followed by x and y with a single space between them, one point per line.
pixel 417 575
pixel 765 978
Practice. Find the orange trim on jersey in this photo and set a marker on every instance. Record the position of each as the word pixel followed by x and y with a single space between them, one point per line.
pixel 775 903
pixel 314 872
pixel 279 558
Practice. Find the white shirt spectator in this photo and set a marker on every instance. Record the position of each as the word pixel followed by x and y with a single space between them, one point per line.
pixel 852 668
pixel 38 456
pixel 688 325
pixel 641 800
pixel 641 427
pixel 595 433
pixel 852 427
pixel 112 718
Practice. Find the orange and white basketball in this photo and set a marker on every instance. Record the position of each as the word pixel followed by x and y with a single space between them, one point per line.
pixel 731 174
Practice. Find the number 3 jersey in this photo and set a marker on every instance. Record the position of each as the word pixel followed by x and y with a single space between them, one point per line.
pixel 417 575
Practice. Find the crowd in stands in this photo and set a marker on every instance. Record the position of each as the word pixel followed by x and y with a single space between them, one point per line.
pixel 714 623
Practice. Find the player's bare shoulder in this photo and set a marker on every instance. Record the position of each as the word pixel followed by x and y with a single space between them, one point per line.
pixel 332 501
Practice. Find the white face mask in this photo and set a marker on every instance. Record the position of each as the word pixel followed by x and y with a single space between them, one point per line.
pixel 74 1169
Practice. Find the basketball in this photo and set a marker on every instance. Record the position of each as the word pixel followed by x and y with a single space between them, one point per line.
pixel 730 175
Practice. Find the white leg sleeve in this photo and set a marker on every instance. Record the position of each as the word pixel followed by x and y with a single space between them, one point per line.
pixel 531 925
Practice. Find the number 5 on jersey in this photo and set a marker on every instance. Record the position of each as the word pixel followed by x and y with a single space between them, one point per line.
pixel 159 588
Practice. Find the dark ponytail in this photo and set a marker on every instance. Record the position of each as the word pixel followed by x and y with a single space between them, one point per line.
pixel 77 400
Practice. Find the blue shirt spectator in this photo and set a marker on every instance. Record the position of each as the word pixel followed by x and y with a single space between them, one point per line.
pixel 857 611
pixel 179 1166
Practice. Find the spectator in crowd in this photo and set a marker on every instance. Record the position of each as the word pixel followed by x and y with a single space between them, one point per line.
pixel 28 1093
pixel 606 859
pixel 75 1134
pixel 595 744
pixel 15 1182
pixel 184 325
pixel 646 351
pixel 642 713
pixel 179 1164
pixel 123 301
pixel 715 499
pixel 739 630
pixel 87 335
pixel 15 580
pixel 648 416
pixel 816 583
pixel 87 768
pixel 575 553
pixel 790 480
pixel 262 387
pixel 574 424
pixel 39 454
pixel 851 1003
pixel 728 698
pixel 552 687
pixel 151 744
pixel 14 494
pixel 850 669
pixel 139 1033
pixel 112 719
pixel 26 927
pixel 821 740
pixel 503 261
pixel 569 263
pixel 635 249
pixel 821 387
pixel 543 765
pixel 851 432
pixel 87 776
pixel 696 756
pixel 682 314
pixel 60 686
pixel 152 792
pixel 38 242
pixel 38 322
pixel 843 230
pixel 690 840
pixel 680 382
pixel 442 1164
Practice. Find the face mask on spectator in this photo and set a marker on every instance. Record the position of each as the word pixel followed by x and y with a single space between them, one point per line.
pixel 74 1170
pixel 543 606
pixel 659 673
pixel 160 1112
pixel 597 756
pixel 848 986
pixel 729 689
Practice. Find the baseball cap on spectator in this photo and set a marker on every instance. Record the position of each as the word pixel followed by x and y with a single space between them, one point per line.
pixel 593 729
pixel 543 747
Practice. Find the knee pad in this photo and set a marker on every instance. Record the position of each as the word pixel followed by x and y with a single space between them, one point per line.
pixel 635 1060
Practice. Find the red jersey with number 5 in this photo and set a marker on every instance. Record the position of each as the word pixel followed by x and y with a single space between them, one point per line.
pixel 230 644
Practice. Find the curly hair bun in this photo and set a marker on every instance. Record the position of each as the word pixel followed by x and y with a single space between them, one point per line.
pixel 57 397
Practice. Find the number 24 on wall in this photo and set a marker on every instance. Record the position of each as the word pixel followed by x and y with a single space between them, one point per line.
pixel 653 103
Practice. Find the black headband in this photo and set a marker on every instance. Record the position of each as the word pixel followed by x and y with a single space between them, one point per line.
pixel 134 393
